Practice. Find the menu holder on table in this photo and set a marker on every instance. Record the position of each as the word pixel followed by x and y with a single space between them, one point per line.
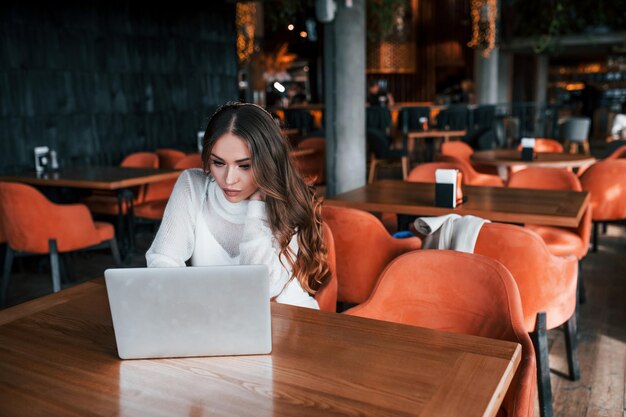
pixel 528 149
pixel 448 191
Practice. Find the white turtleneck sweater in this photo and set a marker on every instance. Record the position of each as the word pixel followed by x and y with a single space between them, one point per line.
pixel 200 224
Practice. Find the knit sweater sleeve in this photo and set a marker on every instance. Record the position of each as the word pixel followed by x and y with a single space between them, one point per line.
pixel 258 246
pixel 175 240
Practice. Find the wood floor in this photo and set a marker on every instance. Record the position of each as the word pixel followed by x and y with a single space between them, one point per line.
pixel 602 328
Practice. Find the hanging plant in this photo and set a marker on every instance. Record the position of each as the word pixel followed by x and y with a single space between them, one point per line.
pixel 381 16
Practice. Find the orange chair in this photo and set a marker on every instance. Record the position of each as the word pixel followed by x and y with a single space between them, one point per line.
pixel 619 153
pixel 463 151
pixel 326 297
pixel 169 157
pixel 193 160
pixel 107 203
pixel 461 293
pixel 561 241
pixel 426 172
pixel 472 177
pixel 158 194
pixel 34 225
pixel 546 146
pixel 363 249
pixel 547 286
pixel 313 166
pixel 606 182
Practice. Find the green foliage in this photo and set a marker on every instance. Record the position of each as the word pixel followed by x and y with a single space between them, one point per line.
pixel 545 20
pixel 380 18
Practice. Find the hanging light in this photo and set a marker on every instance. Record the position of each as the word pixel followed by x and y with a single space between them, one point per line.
pixel 483 13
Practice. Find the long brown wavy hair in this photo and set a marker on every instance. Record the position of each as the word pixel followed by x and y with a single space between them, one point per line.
pixel 291 205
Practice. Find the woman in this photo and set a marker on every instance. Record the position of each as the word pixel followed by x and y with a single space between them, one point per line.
pixel 248 206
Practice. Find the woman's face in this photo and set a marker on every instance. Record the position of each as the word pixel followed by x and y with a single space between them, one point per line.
pixel 230 165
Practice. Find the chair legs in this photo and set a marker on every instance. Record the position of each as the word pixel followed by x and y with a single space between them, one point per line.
pixel 372 174
pixel 594 238
pixel 405 167
pixel 54 265
pixel 115 252
pixel 540 341
pixel 6 274
pixel 582 293
pixel 572 349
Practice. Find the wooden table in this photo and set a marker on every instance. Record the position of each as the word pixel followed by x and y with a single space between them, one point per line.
pixel 58 357
pixel 444 135
pixel 509 205
pixel 506 158
pixel 94 177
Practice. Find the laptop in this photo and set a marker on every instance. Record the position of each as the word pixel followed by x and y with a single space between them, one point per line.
pixel 190 311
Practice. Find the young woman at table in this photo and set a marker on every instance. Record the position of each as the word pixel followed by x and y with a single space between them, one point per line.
pixel 248 206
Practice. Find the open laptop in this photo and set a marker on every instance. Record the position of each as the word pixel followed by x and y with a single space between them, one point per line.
pixel 190 311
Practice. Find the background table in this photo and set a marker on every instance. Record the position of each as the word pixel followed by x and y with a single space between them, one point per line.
pixel 509 205
pixel 58 357
pixel 505 158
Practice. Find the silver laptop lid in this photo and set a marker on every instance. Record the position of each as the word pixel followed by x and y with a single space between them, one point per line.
pixel 190 311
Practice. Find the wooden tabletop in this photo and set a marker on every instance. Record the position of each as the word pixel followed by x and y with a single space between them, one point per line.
pixel 58 357
pixel 511 157
pixel 510 205
pixel 435 133
pixel 95 177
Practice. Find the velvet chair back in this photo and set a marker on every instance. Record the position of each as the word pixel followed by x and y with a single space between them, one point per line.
pixel 169 157
pixel 326 297
pixel 363 248
pixel 193 160
pixel 426 172
pixel 556 179
pixel 31 220
pixel 313 166
pixel 606 182
pixel 461 293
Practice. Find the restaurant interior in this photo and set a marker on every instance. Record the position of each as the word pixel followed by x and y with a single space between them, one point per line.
pixel 470 160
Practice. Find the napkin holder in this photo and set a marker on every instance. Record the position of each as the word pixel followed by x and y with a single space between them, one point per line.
pixel 448 191
pixel 42 158
pixel 528 149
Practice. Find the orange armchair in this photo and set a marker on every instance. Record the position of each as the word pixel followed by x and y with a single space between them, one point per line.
pixel 107 203
pixel 464 152
pixel 35 225
pixel 461 293
pixel 473 177
pixel 560 240
pixel 606 182
pixel 619 153
pixel 546 146
pixel 313 166
pixel 363 249
pixel 193 160
pixel 547 286
pixel 426 172
pixel 326 297
pixel 169 157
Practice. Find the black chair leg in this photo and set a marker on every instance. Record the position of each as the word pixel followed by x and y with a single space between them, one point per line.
pixel 582 293
pixel 604 227
pixel 115 252
pixel 6 274
pixel 54 265
pixel 540 340
pixel 572 349
pixel 595 237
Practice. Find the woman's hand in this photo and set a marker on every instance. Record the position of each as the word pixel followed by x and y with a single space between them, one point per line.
pixel 258 195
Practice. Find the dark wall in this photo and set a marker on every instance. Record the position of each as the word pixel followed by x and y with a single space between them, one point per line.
pixel 99 80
